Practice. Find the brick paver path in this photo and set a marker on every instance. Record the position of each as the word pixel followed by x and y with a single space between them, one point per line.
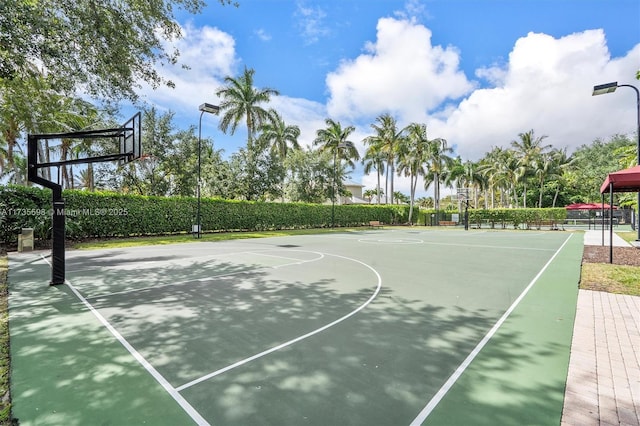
pixel 603 385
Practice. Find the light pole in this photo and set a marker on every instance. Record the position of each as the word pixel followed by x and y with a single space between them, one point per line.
pixel 609 88
pixel 211 109
pixel 333 193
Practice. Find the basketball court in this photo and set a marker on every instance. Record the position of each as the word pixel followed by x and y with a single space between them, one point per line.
pixel 376 327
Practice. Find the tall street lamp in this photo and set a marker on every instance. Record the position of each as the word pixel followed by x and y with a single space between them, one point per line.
pixel 211 109
pixel 610 88
pixel 333 193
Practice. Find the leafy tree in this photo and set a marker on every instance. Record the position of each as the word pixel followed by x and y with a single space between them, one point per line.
pixel 591 164
pixel 149 175
pixel 255 176
pixel 311 176
pixel 103 47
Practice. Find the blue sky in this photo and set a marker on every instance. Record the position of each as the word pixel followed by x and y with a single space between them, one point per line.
pixel 477 72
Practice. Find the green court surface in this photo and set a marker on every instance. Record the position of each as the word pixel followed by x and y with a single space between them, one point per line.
pixel 378 327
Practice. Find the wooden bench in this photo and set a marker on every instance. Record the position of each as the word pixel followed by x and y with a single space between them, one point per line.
pixel 552 224
pixel 375 224
pixel 447 223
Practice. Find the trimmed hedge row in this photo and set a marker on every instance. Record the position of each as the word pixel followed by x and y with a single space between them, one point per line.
pixel 95 214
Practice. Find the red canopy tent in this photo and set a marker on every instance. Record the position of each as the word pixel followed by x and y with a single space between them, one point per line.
pixel 627 180
pixel 588 206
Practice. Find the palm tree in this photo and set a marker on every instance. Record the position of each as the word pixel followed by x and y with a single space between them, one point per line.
pixel 374 159
pixel 561 163
pixel 437 161
pixel 279 137
pixel 412 157
pixel 240 100
pixel 425 202
pixel 528 150
pixel 399 197
pixel 335 139
pixel 17 174
pixel 473 179
pixel 386 141
pixel 369 194
pixel 493 169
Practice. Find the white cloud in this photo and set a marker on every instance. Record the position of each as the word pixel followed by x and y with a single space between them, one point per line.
pixel 263 35
pixel 311 22
pixel 546 86
pixel 209 54
pixel 308 115
pixel 401 72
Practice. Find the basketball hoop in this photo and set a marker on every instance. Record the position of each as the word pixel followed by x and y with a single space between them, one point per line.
pixel 128 138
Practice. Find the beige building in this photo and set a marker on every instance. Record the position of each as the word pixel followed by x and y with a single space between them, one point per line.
pixel 356 194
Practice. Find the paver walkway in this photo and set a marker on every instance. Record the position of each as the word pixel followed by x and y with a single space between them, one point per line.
pixel 603 384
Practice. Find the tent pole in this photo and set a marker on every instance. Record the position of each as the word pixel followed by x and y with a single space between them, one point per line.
pixel 602 220
pixel 610 222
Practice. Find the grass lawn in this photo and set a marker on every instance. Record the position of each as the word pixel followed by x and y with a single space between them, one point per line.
pixel 619 279
pixel 628 235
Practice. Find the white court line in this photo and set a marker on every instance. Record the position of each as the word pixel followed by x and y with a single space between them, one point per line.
pixel 195 416
pixel 292 341
pixel 456 374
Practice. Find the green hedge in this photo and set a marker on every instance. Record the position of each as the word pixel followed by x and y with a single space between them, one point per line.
pixel 96 214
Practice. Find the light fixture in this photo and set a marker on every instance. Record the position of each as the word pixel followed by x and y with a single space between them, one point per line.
pixel 211 109
pixel 604 88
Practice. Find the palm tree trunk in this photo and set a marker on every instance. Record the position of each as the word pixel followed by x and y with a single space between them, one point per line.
pixel 386 186
pixel 413 182
pixel 392 174
pixel 540 198
pixel 378 189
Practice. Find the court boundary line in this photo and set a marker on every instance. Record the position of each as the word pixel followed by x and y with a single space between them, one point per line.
pixel 297 339
pixel 182 402
pixel 444 389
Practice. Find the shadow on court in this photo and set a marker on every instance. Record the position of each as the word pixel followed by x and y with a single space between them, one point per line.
pixel 379 367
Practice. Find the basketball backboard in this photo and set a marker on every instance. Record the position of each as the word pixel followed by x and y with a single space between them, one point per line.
pixel 131 139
